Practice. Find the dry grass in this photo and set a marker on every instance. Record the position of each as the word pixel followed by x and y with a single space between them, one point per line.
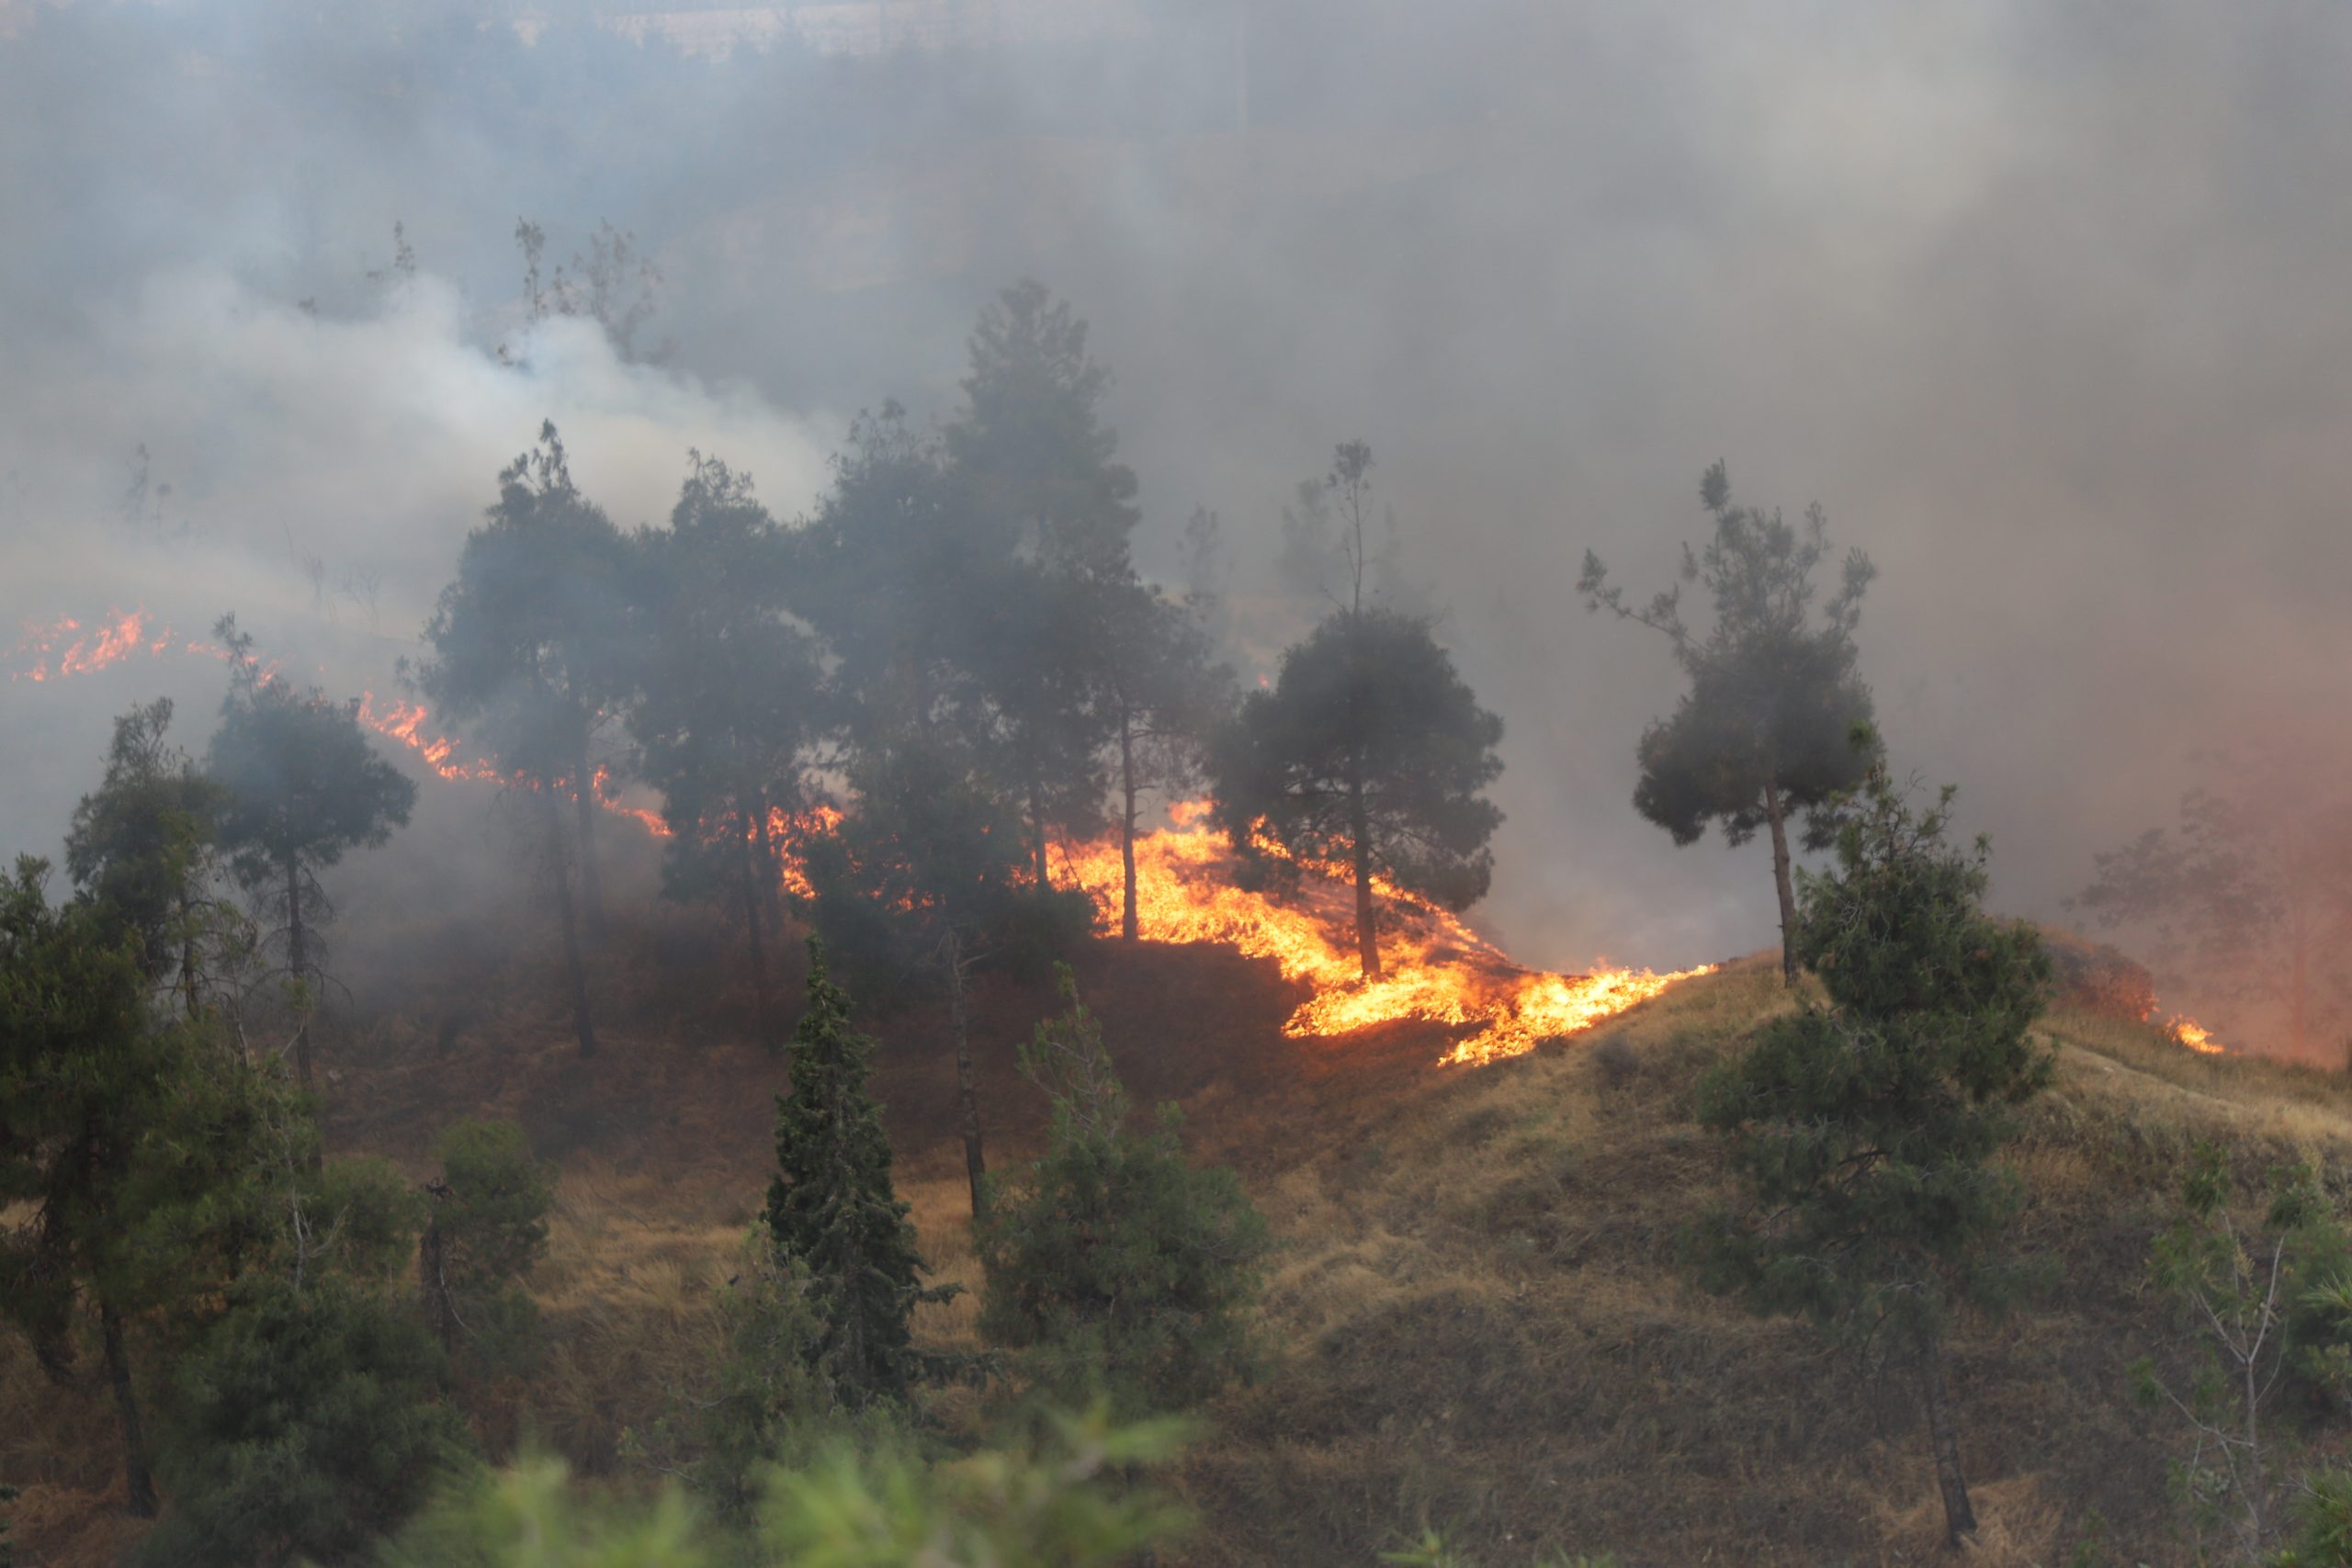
pixel 1475 1313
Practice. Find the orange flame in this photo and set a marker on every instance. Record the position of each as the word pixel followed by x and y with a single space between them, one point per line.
pixel 2194 1035
pixel 54 650
pixel 790 830
pixel 1434 967
pixel 404 723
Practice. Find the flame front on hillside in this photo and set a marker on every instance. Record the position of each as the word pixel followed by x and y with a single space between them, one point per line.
pixel 1437 969
pixel 51 650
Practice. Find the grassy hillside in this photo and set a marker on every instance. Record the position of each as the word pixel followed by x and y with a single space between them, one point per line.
pixel 1475 1316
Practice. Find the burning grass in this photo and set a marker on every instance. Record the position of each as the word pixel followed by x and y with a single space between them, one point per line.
pixel 1435 968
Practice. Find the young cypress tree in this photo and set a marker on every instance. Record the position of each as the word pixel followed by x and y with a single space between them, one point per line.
pixel 1867 1130
pixel 832 1207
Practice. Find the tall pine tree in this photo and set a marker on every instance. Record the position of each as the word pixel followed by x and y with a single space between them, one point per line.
pixel 832 1207
pixel 1763 731
pixel 1867 1131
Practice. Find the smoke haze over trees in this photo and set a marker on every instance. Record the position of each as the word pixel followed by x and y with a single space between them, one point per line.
pixel 2058 336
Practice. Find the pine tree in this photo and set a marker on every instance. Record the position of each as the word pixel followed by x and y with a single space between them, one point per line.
pixel 1762 733
pixel 729 703
pixel 832 1207
pixel 142 845
pixel 1372 751
pixel 299 784
pixel 1116 1264
pixel 1867 1130
pixel 533 653
pixel 127 1141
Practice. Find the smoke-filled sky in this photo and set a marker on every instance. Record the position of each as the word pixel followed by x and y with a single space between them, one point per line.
pixel 2046 305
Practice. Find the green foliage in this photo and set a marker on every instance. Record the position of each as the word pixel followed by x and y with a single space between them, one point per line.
pixel 361 1217
pixel 2324 1536
pixel 2259 1292
pixel 1866 1129
pixel 129 1141
pixel 493 1215
pixel 530 1516
pixel 832 1208
pixel 488 1229
pixel 1118 1267
pixel 303 1424
pixel 1067 1502
pixel 1371 752
pixel 140 841
pixel 769 1391
pixel 1061 1503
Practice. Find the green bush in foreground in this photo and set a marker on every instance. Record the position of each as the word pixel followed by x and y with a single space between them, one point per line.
pixel 305 1423
pixel 1062 1504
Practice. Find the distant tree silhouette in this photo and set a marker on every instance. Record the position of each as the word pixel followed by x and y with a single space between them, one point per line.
pixel 1369 750
pixel 1764 730
pixel 299 784
pixel 1040 472
pixel 729 700
pixel 2246 894
pixel 894 563
pixel 532 655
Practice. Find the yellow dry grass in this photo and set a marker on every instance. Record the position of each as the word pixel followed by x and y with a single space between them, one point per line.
pixel 1475 1317
pixel 1483 1324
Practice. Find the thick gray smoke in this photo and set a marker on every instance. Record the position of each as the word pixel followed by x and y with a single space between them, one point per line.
pixel 2042 303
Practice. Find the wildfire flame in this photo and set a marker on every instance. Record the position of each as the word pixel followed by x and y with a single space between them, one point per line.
pixel 2194 1035
pixel 404 723
pixel 789 830
pixel 1434 967
pixel 52 651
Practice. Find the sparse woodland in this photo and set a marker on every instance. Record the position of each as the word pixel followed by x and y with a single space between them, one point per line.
pixel 855 1185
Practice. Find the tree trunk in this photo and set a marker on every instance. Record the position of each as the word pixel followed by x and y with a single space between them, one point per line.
pixel 297 961
pixel 1368 917
pixel 432 1277
pixel 1037 831
pixel 1779 819
pixel 1128 925
pixel 1959 1518
pixel 188 957
pixel 582 1028
pixel 297 964
pixel 592 887
pixel 139 1484
pixel 755 899
pixel 771 864
pixel 975 1164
